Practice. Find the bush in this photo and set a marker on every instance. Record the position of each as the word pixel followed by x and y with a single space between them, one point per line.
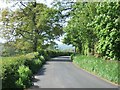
pixel 25 77
pixel 52 53
pixel 42 59
pixel 104 68
pixel 10 66
pixel 17 70
pixel 45 54
pixel 72 56
pixel 34 65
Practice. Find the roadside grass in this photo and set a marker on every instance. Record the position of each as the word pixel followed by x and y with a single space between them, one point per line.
pixel 103 68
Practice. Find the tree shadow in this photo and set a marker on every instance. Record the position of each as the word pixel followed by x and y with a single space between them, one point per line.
pixel 34 87
pixel 35 79
pixel 41 71
pixel 61 59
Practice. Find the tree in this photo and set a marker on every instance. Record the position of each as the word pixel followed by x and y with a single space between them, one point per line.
pixel 78 33
pixel 106 25
pixel 94 27
pixel 35 23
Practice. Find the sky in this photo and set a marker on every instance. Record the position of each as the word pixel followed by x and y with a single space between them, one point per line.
pixel 4 4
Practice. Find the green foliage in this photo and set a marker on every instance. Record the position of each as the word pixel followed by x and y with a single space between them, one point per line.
pixel 17 71
pixel 18 47
pixel 25 75
pixel 9 70
pixel 102 68
pixel 94 29
pixel 31 26
pixel 42 58
pixel 72 56
pixel 8 50
pixel 53 53
pixel 77 32
pixel 106 25
pixel 14 67
pixel 34 65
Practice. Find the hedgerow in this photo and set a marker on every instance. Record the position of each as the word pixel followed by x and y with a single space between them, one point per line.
pixel 52 53
pixel 14 67
pixel 18 71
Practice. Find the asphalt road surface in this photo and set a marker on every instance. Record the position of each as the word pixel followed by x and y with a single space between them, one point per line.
pixel 60 72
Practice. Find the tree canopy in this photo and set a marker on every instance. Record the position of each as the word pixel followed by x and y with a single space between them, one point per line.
pixel 94 29
pixel 33 23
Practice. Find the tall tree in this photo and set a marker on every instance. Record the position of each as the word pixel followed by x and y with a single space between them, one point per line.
pixel 80 35
pixel 106 25
pixel 94 27
pixel 33 22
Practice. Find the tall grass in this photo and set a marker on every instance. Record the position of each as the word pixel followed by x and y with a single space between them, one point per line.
pixel 103 68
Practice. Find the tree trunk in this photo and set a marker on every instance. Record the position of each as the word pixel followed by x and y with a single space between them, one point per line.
pixel 35 31
pixel 35 42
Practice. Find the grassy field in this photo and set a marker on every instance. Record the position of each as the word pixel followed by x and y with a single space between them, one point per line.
pixel 103 68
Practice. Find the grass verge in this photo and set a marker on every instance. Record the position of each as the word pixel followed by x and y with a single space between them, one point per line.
pixel 103 68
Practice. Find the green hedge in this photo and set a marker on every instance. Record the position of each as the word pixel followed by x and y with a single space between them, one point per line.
pixel 17 71
pixel 104 68
pixel 15 68
pixel 52 53
pixel 24 77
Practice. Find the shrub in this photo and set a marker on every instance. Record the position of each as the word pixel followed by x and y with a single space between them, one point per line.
pixel 44 54
pixel 10 66
pixel 72 56
pixel 9 70
pixel 25 77
pixel 34 65
pixel 17 70
pixel 42 59
pixel 53 53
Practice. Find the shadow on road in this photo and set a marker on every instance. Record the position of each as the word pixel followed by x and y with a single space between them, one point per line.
pixel 35 80
pixel 35 87
pixel 61 59
pixel 56 59
pixel 43 70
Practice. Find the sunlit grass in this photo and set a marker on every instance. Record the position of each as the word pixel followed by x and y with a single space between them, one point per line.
pixel 103 68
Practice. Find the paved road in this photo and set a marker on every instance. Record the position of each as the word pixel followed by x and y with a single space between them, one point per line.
pixel 60 72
